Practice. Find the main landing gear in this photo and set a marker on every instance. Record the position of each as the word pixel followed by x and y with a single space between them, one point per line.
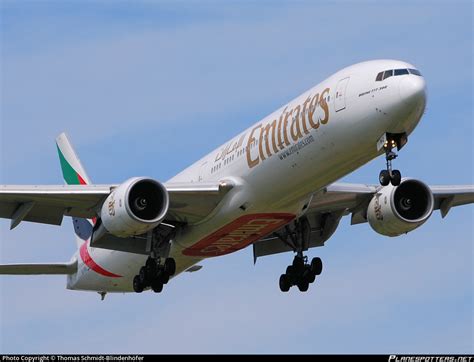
pixel 154 275
pixel 299 273
pixel 388 175
pixel 159 267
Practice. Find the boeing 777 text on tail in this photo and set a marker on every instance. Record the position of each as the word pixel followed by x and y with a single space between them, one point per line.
pixel 272 187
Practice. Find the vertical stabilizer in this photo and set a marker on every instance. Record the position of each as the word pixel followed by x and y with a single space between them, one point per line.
pixel 74 174
pixel 73 171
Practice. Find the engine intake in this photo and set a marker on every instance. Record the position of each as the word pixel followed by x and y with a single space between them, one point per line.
pixel 412 200
pixel 396 210
pixel 146 200
pixel 135 207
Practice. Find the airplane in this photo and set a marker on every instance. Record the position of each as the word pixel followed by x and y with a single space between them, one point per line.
pixel 273 186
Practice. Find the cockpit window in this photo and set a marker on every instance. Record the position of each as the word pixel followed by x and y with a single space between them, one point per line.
pixel 415 72
pixel 392 72
pixel 387 74
pixel 401 71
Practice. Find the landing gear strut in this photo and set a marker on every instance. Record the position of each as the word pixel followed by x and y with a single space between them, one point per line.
pixel 300 272
pixel 388 175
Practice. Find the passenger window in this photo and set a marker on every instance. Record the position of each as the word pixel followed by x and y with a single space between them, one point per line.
pixel 415 72
pixel 401 71
pixel 379 77
pixel 387 74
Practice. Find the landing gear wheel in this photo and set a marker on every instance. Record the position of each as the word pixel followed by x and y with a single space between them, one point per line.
pixel 164 277
pixel 303 286
pixel 137 284
pixel 170 266
pixel 290 270
pixel 396 178
pixel 316 266
pixel 308 275
pixel 384 177
pixel 284 283
pixel 157 286
pixel 151 267
pixel 143 276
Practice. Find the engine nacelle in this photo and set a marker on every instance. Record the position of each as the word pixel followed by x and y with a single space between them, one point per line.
pixel 135 207
pixel 396 210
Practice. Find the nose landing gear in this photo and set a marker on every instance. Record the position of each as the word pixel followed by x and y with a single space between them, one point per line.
pixel 388 175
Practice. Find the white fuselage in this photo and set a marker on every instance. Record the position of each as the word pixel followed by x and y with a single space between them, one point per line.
pixel 277 165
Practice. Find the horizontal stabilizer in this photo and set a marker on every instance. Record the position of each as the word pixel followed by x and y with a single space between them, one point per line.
pixel 39 269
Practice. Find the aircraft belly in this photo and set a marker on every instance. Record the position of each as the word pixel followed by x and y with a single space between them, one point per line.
pixel 123 266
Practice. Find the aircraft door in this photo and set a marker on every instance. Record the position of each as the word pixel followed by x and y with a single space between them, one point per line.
pixel 340 96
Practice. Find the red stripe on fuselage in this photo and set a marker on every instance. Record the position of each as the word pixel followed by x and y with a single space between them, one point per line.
pixel 84 252
pixel 87 259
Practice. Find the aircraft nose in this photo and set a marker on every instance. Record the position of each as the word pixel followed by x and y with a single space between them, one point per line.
pixel 413 89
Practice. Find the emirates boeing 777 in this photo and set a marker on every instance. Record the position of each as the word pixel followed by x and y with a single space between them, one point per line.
pixel 273 186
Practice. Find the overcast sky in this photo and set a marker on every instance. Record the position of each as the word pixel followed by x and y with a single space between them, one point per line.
pixel 147 88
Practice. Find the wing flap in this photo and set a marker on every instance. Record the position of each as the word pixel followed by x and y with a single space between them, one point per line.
pixel 339 196
pixel 192 202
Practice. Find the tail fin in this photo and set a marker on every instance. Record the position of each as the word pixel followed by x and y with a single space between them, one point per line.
pixel 74 174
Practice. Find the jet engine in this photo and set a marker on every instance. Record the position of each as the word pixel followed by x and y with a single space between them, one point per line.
pixel 396 210
pixel 135 207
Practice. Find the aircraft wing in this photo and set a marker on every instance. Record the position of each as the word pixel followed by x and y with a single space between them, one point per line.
pixel 352 198
pixel 189 202
pixel 329 205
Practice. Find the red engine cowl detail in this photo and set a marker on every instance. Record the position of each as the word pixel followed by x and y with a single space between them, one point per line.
pixel 238 234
